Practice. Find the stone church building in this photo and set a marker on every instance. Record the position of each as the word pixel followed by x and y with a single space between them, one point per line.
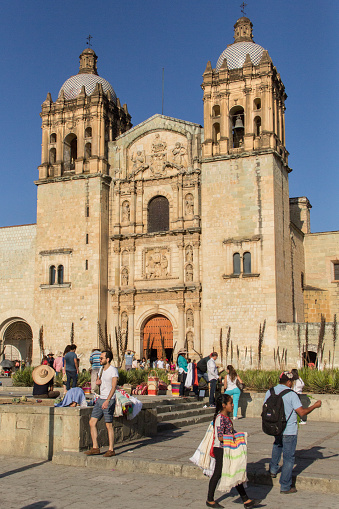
pixel 170 227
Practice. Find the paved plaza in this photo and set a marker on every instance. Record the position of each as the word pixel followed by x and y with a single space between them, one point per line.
pixel 26 484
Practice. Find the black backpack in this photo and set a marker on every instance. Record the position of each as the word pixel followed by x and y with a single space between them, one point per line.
pixel 273 413
pixel 202 364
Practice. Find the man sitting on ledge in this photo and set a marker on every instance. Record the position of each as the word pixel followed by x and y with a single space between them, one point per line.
pixel 43 382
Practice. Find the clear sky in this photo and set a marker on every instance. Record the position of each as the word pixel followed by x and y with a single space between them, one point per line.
pixel 134 40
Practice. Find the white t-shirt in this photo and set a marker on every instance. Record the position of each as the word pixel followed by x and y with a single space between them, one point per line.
pixel 298 386
pixel 160 364
pixel 231 385
pixel 106 381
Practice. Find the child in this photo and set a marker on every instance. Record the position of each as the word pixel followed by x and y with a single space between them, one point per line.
pixel 297 386
pixel 223 426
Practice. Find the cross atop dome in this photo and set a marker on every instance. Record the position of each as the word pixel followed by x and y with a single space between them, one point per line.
pixel 243 30
pixel 88 62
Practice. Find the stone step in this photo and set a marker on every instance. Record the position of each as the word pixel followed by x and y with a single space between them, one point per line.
pixel 180 406
pixel 185 413
pixel 181 422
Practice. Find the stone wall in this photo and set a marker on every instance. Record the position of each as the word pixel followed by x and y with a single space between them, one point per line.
pixel 40 432
pixel 321 291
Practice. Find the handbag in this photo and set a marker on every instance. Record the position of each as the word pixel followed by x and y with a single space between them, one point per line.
pixel 97 387
pixel 240 385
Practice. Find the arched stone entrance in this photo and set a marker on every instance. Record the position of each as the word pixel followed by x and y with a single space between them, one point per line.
pixel 18 341
pixel 156 327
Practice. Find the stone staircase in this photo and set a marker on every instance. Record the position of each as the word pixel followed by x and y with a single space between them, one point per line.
pixel 174 414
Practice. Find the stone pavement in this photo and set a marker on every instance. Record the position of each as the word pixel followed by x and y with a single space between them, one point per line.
pixel 317 456
pixel 26 484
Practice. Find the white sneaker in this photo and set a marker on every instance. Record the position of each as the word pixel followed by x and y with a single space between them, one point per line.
pixel 235 418
pixel 205 406
pixel 303 422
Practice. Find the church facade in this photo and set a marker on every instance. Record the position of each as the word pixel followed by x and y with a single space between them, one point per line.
pixel 169 233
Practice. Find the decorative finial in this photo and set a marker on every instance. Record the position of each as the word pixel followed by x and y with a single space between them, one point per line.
pixel 89 40
pixel 243 5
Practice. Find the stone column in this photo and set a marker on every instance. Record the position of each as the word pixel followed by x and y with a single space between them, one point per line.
pixel 197 329
pixel 196 268
pixel 132 265
pixel 180 200
pixel 133 342
pixel 181 326
pixel 116 208
pixel 181 262
pixel 115 323
pixel 139 213
pixel 196 204
pixel 133 203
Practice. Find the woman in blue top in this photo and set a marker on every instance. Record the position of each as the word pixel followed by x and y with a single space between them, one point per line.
pixel 182 365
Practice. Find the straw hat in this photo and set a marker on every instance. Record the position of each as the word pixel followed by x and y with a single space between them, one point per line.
pixel 182 350
pixel 43 374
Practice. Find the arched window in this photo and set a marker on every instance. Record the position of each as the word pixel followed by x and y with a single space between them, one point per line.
pixel 257 103
pixel 88 150
pixel 88 132
pixel 52 138
pixel 60 274
pixel 216 133
pixel 257 126
pixel 237 118
pixel 52 156
pixel 247 263
pixel 236 263
pixel 70 151
pixel 216 110
pixel 52 275
pixel 158 215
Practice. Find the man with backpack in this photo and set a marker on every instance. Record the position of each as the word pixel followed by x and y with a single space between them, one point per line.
pixel 279 418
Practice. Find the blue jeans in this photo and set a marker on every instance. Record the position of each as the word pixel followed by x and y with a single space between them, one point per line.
pixel 236 395
pixel 213 384
pixel 285 445
pixel 71 375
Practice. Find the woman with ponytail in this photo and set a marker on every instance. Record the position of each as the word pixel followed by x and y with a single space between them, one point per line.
pixel 231 387
pixel 223 426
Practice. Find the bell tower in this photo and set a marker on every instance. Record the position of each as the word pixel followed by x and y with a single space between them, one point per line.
pixel 244 99
pixel 73 206
pixel 77 127
pixel 245 197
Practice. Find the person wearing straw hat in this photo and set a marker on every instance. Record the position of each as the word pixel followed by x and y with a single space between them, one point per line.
pixel 43 382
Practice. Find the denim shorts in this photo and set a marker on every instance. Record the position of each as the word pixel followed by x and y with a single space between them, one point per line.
pixel 108 412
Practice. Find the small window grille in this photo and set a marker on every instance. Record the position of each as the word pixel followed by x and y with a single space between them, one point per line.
pixel 60 274
pixel 52 273
pixel 247 263
pixel 236 263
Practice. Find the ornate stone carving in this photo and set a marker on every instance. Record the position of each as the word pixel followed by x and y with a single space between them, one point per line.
pixel 189 254
pixel 156 263
pixel 158 157
pixel 189 318
pixel 125 212
pixel 189 273
pixel 189 204
pixel 125 258
pixel 138 160
pixel 124 277
pixel 179 154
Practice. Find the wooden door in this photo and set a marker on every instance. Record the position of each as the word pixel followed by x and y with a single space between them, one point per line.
pixel 155 327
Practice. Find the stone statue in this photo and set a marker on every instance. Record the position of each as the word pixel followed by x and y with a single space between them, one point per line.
pixel 125 212
pixel 189 273
pixel 124 320
pixel 189 205
pixel 189 253
pixel 179 154
pixel 189 318
pixel 124 277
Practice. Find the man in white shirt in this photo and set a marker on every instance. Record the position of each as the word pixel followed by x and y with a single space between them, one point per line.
pixel 213 375
pixel 105 404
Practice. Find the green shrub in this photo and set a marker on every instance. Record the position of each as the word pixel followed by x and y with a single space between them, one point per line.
pixel 23 378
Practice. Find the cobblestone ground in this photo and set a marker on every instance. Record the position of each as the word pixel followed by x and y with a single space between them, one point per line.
pixel 26 484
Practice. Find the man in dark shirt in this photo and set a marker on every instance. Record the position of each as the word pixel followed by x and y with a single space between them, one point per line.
pixel 43 382
pixel 50 359
pixel 72 367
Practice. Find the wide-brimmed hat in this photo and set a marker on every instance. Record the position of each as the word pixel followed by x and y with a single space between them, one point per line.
pixel 182 350
pixel 43 374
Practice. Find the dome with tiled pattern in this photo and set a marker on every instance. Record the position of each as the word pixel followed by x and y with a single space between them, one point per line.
pixel 235 54
pixel 72 86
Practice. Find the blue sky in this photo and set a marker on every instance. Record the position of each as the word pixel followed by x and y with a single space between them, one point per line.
pixel 134 40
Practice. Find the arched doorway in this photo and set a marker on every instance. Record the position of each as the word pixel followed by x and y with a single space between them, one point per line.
pixel 18 341
pixel 155 329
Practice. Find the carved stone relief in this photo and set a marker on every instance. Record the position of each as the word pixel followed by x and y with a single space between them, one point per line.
pixel 180 154
pixel 124 320
pixel 189 318
pixel 189 254
pixel 190 340
pixel 156 263
pixel 125 258
pixel 189 273
pixel 139 160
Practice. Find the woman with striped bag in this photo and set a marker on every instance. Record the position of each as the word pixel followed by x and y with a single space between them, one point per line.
pixel 230 452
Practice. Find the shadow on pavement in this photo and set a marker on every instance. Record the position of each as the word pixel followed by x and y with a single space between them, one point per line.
pixel 39 505
pixel 22 469
pixel 144 442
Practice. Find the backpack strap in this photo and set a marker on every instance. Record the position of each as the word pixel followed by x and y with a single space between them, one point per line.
pixel 282 393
